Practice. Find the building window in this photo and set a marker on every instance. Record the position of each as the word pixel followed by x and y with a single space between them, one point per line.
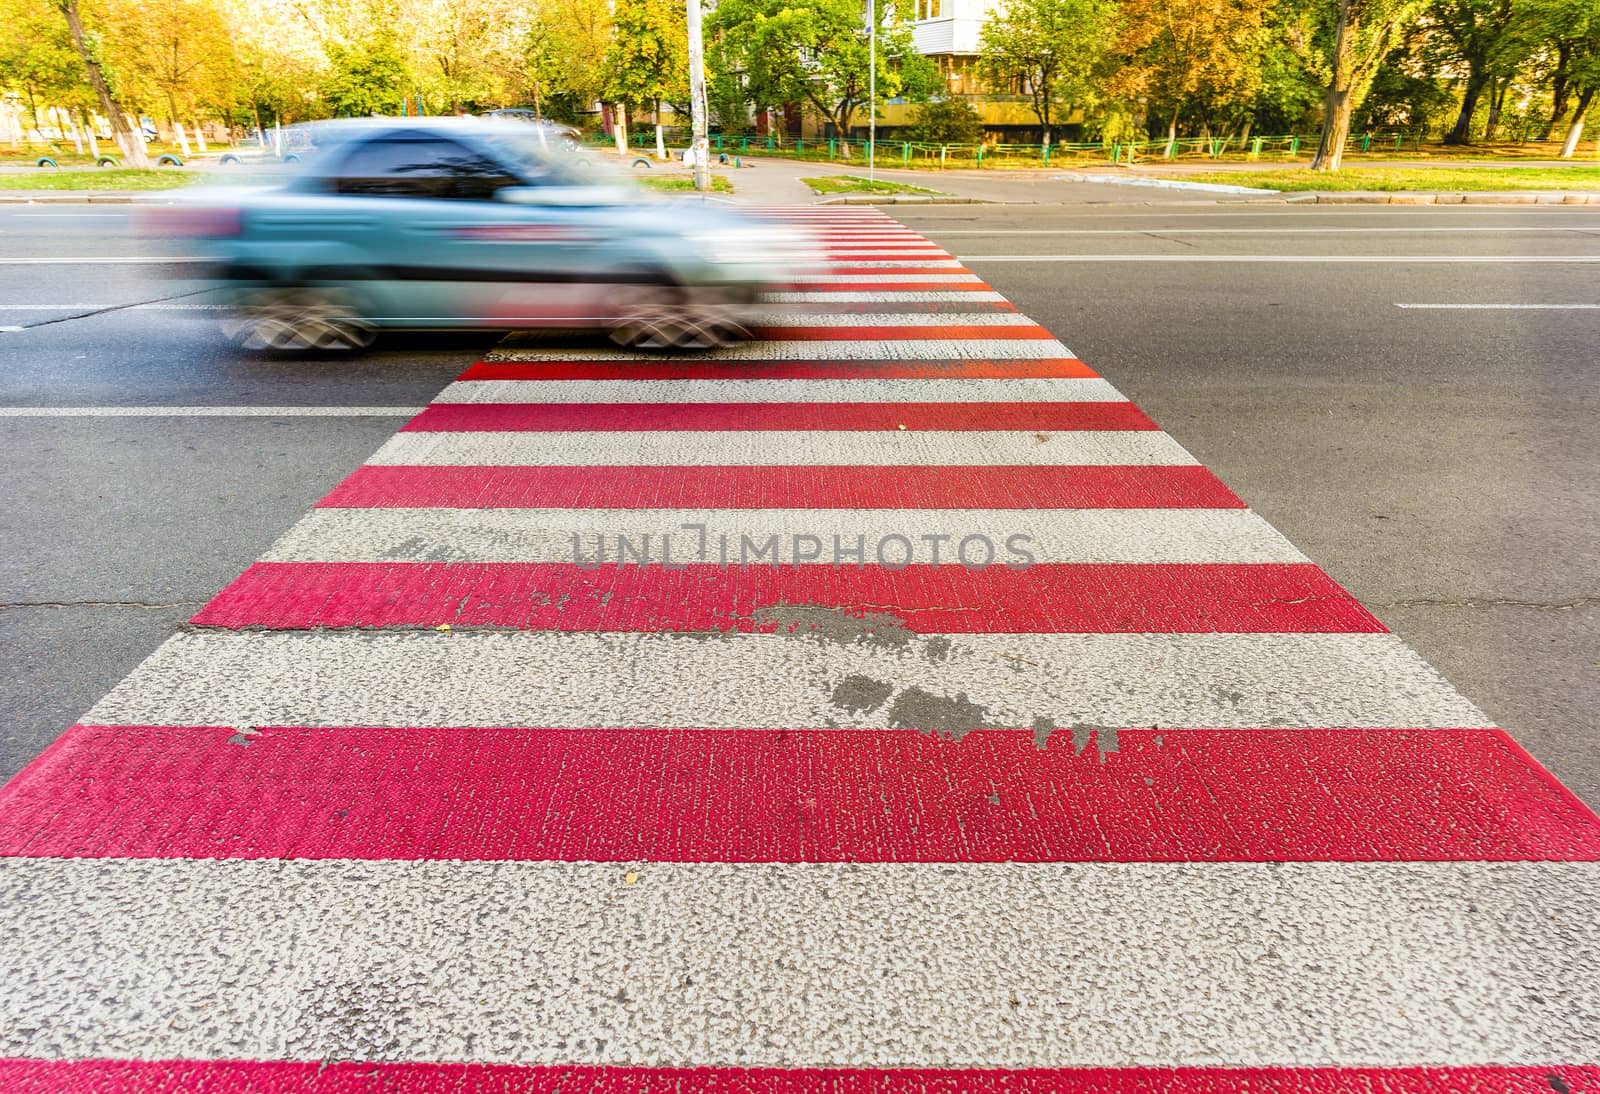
pixel 928 9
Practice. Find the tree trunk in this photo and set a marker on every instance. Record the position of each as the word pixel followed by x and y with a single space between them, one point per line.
pixel 661 140
pixel 538 111
pixel 1172 126
pixel 1461 132
pixel 132 145
pixel 1497 96
pixel 1335 130
pixel 1575 130
pixel 1559 85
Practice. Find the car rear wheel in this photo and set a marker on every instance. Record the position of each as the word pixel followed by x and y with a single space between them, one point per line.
pixel 660 317
pixel 298 320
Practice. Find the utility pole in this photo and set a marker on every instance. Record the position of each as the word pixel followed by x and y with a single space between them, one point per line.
pixel 872 89
pixel 697 100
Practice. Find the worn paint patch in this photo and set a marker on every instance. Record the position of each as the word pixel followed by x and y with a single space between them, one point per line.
pixel 861 694
pixel 949 717
pixel 836 624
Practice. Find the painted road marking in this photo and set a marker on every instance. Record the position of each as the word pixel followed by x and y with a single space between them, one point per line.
pixel 209 411
pixel 741 448
pixel 1162 803
pixel 546 535
pixel 1500 307
pixel 1390 259
pixel 804 960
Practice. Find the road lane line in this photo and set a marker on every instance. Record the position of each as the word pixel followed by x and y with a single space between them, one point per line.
pixel 814 964
pixel 699 594
pixel 770 681
pixel 779 391
pixel 1351 259
pixel 546 535
pixel 740 448
pixel 765 487
pixel 1500 307
pixel 210 411
pixel 1171 795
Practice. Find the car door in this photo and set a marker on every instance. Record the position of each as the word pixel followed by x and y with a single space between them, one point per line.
pixel 447 251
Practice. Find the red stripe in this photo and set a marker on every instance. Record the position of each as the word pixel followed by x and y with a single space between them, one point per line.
pixel 802 285
pixel 788 417
pixel 803 795
pixel 872 271
pixel 1006 333
pixel 668 369
pixel 1094 598
pixel 692 487
pixel 274 1077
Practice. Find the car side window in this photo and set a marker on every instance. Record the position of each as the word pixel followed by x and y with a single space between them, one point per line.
pixel 421 167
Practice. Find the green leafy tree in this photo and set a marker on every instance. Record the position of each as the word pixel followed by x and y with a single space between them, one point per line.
pixel 1200 56
pixel 565 55
pixel 37 60
pixel 1489 39
pixel 87 48
pixel 946 121
pixel 1344 43
pixel 171 55
pixel 1574 25
pixel 368 78
pixel 649 55
pixel 1056 49
pixel 817 52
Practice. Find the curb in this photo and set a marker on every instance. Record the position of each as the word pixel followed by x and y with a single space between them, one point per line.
pixel 1167 184
pixel 911 199
pixel 109 197
pixel 1442 197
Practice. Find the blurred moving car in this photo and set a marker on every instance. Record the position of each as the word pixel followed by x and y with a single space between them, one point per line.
pixel 566 137
pixel 471 223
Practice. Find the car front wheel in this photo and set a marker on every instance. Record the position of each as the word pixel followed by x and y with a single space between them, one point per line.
pixel 298 320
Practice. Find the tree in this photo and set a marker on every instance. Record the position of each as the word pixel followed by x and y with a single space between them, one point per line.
pixel 1489 39
pixel 172 52
pixel 1575 26
pixel 368 78
pixel 649 56
pixel 818 53
pixel 1056 49
pixel 565 54
pixel 37 59
pixel 132 144
pixel 1201 54
pixel 1346 46
pixel 461 49
pixel 946 121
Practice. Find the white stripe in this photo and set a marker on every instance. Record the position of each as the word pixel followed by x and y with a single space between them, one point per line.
pixel 1356 259
pixel 782 681
pixel 855 349
pixel 889 264
pixel 881 965
pixel 666 392
pixel 546 535
pixel 209 411
pixel 99 260
pixel 784 448
pixel 881 279
pixel 1500 307
pixel 1365 230
pixel 110 307
pixel 894 319
pixel 909 296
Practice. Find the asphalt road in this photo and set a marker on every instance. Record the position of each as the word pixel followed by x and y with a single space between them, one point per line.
pixel 1438 462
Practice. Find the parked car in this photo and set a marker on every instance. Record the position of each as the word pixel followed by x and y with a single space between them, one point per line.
pixel 467 222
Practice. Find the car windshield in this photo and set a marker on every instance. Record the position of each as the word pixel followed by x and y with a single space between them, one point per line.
pixel 541 163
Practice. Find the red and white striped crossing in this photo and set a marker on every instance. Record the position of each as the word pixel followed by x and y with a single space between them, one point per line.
pixel 888 705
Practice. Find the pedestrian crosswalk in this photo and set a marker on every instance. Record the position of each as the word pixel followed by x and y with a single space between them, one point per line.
pixel 886 705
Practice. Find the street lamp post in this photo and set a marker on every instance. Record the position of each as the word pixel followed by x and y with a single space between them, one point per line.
pixel 872 90
pixel 697 100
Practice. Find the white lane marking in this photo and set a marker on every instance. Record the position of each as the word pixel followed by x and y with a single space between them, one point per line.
pixel 209 411
pixel 892 319
pixel 993 347
pixel 881 279
pixel 79 215
pixel 816 448
pixel 1351 259
pixel 546 535
pixel 665 392
pixel 773 681
pixel 107 307
pixel 1500 307
pixel 790 965
pixel 911 296
pixel 1420 229
pixel 10 329
pixel 98 260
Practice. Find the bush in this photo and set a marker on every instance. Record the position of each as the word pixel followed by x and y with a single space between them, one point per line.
pixel 945 121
